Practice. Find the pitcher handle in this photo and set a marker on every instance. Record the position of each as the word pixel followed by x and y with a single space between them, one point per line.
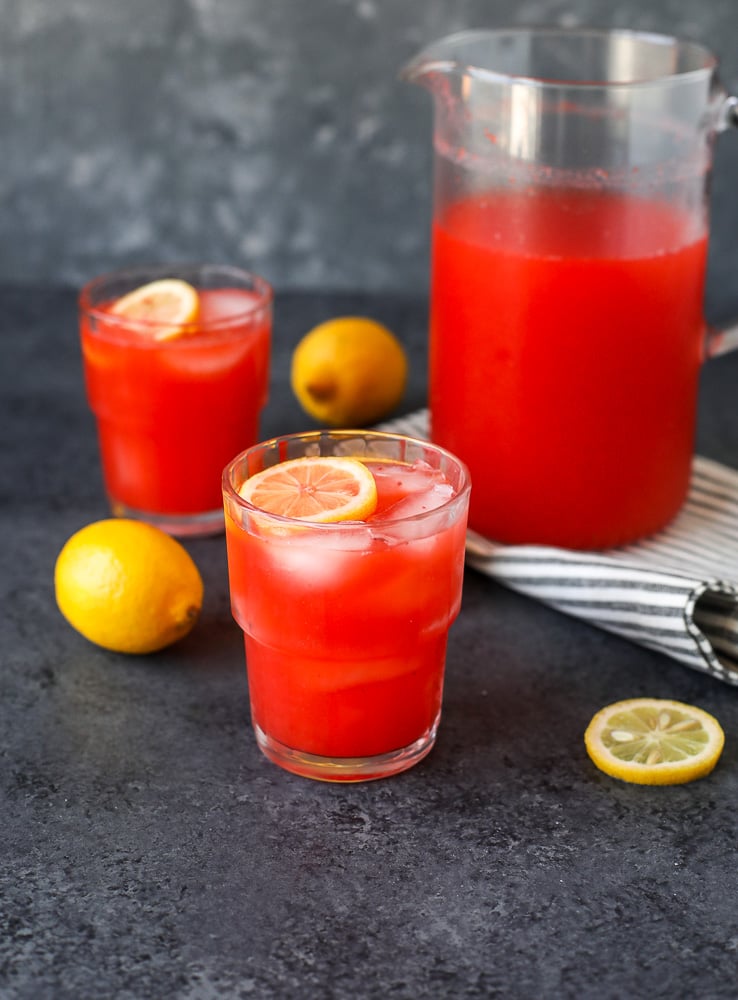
pixel 728 117
pixel 720 341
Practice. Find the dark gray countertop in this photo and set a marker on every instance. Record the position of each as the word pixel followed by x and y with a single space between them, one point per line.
pixel 149 850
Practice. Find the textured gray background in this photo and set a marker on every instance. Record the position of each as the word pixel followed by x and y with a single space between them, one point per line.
pixel 270 133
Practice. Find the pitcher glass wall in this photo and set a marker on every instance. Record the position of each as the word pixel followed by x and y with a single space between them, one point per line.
pixel 568 264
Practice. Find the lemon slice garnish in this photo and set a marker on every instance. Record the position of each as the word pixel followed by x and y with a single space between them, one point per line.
pixel 653 741
pixel 318 489
pixel 162 309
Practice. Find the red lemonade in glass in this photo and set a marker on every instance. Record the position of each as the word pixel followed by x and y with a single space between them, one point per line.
pixel 171 412
pixel 346 624
pixel 566 340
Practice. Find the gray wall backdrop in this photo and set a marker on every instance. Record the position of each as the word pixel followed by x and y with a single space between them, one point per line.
pixel 270 133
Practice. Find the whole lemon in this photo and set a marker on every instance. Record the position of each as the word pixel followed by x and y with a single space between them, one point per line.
pixel 127 586
pixel 349 372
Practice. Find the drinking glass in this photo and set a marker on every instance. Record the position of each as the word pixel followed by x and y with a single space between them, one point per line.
pixel 346 624
pixel 170 413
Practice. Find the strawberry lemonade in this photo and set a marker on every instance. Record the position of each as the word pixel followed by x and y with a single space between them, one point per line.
pixel 177 367
pixel 566 342
pixel 346 556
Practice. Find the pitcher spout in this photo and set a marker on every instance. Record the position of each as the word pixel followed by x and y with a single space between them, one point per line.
pixel 441 59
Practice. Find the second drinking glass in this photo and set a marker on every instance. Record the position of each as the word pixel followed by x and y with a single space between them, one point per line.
pixel 173 409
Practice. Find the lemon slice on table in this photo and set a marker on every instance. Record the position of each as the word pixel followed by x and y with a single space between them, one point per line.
pixel 653 741
pixel 317 489
pixel 164 308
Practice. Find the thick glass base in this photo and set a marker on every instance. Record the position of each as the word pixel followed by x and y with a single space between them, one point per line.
pixel 181 525
pixel 345 769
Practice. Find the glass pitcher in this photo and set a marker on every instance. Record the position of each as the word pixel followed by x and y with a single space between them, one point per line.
pixel 567 281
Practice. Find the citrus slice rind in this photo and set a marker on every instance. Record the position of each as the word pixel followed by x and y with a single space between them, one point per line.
pixel 320 490
pixel 654 741
pixel 161 310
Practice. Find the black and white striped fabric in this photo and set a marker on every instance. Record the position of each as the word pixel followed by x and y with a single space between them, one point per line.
pixel 676 592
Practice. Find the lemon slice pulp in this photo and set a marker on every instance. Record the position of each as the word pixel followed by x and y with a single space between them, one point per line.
pixel 164 308
pixel 318 489
pixel 653 741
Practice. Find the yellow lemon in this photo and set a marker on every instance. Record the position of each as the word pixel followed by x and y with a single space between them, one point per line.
pixel 654 741
pixel 127 586
pixel 349 372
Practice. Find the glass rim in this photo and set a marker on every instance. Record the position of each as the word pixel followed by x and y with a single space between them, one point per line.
pixel 234 496
pixel 425 62
pixel 155 272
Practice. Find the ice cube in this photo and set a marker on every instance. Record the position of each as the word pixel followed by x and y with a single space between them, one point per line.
pixel 413 478
pixel 420 502
pixel 305 565
pixel 201 359
pixel 319 558
pixel 221 304
pixel 401 523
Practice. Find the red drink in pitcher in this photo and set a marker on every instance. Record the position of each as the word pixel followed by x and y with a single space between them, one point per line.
pixel 566 342
pixel 346 623
pixel 171 412
pixel 570 233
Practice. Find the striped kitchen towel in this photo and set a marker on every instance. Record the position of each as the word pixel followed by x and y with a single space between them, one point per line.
pixel 676 592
